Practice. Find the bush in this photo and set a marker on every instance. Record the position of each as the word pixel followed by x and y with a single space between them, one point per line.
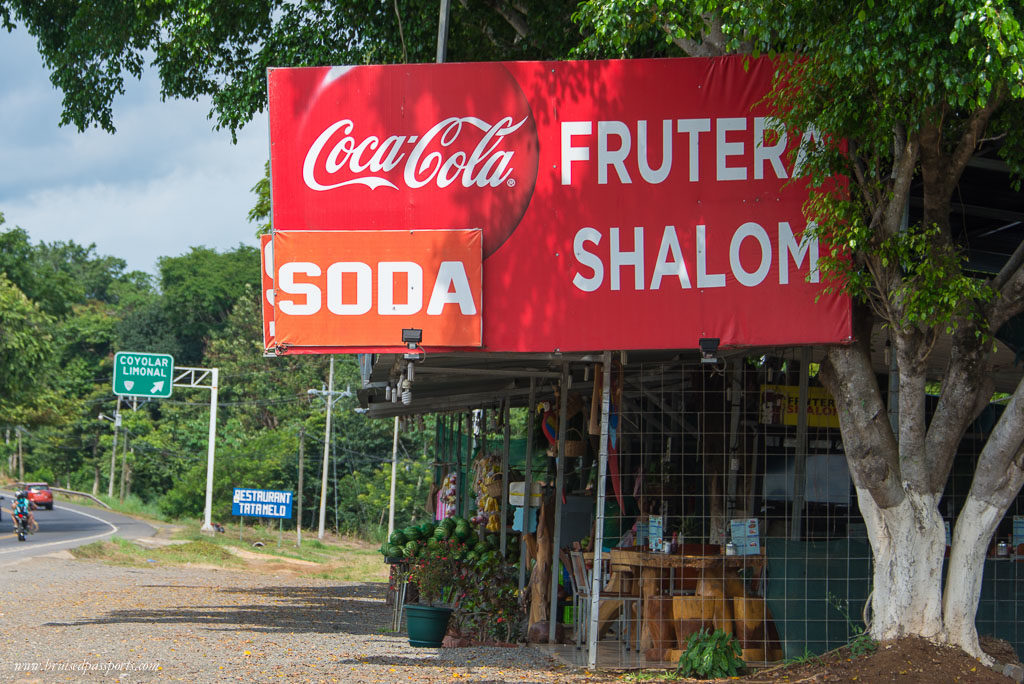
pixel 711 655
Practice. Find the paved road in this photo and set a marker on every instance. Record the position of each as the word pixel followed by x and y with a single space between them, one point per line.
pixel 66 526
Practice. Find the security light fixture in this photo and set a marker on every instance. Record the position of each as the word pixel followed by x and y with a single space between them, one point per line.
pixel 709 349
pixel 412 337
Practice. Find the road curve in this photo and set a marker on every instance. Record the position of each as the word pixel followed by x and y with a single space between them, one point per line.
pixel 65 527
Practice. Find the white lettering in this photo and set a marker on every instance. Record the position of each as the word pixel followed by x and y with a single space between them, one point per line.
pixel 705 279
pixel 646 172
pixel 694 127
pixel 588 259
pixel 744 277
pixel 451 274
pixel 726 149
pixel 807 140
pixel 483 166
pixel 386 271
pixel 635 258
pixel 607 157
pixel 286 284
pixel 363 287
pixel 769 153
pixel 570 153
pixel 788 246
pixel 664 267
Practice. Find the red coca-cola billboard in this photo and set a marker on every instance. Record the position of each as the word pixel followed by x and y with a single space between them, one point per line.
pixel 624 204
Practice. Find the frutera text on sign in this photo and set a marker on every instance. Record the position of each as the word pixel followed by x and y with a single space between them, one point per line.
pixel 364 287
pixel 634 204
pixel 141 374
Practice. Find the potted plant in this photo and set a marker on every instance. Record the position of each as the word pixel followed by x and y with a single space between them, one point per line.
pixel 434 573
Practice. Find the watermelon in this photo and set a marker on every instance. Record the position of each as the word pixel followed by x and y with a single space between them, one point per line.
pixel 397 537
pixel 439 533
pixel 426 529
pixel 410 549
pixel 395 551
pixel 412 532
pixel 462 531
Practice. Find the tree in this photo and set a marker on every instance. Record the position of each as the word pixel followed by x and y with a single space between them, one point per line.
pixel 222 50
pixel 915 90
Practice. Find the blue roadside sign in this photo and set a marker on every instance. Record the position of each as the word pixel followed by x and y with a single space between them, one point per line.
pixel 261 503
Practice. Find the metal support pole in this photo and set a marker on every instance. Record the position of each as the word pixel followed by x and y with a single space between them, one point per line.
pixel 507 417
pixel 733 468
pixel 211 440
pixel 602 484
pixel 800 448
pixel 298 520
pixel 394 474
pixel 327 451
pixel 442 31
pixel 556 541
pixel 528 484
pixel 124 467
pixel 113 452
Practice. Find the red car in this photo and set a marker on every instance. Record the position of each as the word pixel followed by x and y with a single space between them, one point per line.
pixel 38 493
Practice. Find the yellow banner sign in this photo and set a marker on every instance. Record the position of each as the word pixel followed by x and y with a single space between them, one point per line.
pixel 781 403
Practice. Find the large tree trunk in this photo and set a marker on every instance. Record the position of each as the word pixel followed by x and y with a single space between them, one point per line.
pixel 908 542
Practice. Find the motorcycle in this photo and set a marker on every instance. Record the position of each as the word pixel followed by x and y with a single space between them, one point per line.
pixel 20 524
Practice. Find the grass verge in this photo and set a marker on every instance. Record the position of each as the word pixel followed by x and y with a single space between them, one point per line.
pixel 259 549
pixel 118 551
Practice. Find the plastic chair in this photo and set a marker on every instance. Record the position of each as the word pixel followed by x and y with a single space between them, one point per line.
pixel 582 578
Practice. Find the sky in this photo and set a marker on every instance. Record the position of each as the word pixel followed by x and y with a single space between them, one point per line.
pixel 162 184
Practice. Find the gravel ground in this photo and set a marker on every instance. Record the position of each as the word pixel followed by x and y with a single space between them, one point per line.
pixel 85 621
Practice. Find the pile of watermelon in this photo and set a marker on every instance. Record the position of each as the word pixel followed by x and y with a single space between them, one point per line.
pixel 475 546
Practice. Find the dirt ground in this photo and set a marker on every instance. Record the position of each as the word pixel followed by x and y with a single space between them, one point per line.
pixel 909 660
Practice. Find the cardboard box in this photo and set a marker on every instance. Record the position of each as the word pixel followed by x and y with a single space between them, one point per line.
pixel 516 498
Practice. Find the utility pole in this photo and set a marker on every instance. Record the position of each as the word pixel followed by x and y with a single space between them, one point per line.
pixel 331 397
pixel 298 525
pixel 21 459
pixel 116 420
pixel 124 461
pixel 327 451
pixel 394 473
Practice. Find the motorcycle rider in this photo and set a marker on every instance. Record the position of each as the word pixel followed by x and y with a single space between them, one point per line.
pixel 21 504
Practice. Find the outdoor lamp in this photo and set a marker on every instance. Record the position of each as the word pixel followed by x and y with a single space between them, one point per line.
pixel 412 337
pixel 709 349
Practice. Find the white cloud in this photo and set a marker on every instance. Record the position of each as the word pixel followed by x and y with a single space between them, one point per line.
pixel 163 183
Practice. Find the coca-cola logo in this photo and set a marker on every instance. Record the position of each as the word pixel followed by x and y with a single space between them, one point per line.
pixel 412 147
pixel 485 166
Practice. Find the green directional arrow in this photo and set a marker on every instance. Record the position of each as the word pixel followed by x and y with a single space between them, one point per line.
pixel 141 374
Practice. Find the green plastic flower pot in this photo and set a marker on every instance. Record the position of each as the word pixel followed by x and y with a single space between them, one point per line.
pixel 427 625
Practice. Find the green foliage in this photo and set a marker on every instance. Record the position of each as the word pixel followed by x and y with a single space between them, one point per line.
pixel 711 655
pixel 860 642
pixel 907 88
pixel 222 50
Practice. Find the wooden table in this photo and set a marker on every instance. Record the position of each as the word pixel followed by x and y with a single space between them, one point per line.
pixel 629 564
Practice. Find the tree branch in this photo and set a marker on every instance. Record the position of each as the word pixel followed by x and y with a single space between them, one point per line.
pixel 516 20
pixel 903 175
pixel 871 448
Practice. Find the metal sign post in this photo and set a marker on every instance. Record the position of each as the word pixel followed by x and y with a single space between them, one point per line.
pixel 204 378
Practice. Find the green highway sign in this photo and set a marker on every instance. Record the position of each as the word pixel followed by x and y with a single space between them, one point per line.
pixel 139 374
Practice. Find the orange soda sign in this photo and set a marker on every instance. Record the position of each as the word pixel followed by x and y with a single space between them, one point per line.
pixel 360 288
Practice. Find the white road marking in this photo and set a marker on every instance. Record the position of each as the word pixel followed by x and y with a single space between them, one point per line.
pixel 112 526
